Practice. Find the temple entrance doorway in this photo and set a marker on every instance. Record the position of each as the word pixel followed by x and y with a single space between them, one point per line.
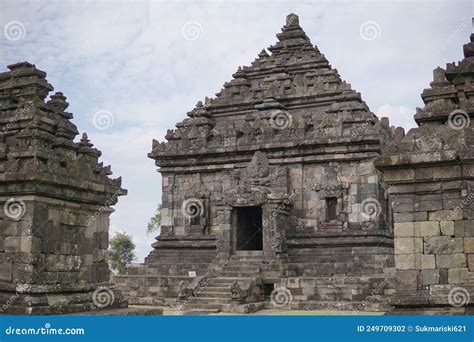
pixel 249 235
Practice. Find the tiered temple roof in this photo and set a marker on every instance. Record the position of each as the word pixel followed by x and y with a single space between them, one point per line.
pixel 290 86
pixel 37 143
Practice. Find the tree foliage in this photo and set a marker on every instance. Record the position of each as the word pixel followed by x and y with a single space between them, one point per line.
pixel 155 222
pixel 121 252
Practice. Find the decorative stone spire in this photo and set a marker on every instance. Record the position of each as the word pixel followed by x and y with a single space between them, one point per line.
pixel 292 29
pixel 263 54
pixel 439 78
pixel 27 82
pixel 292 20
pixel 58 102
pixel 85 140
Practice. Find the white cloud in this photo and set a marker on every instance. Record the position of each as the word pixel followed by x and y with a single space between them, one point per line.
pixel 400 116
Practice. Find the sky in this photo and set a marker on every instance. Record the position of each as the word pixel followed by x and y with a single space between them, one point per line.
pixel 133 69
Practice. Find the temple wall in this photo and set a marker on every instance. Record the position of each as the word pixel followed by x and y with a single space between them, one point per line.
pixel 434 234
pixel 54 242
pixel 361 200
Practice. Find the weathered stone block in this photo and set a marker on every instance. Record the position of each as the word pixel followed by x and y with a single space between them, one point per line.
pixel 30 244
pixel 407 279
pixel 12 244
pixel 469 245
pixel 427 261
pixel 446 172
pixel 399 175
pixel 405 261
pixel 408 245
pixel 443 245
pixel 429 277
pixel 457 275
pixel 445 215
pixel 470 262
pixel 403 229
pixel 427 228
pixel 447 228
pixel 451 260
pixel 6 271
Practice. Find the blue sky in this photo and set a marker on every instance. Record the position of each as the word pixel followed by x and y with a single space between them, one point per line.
pixel 146 63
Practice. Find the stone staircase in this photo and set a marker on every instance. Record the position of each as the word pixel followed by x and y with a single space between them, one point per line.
pixel 217 294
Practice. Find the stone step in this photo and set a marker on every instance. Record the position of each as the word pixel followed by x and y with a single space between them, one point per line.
pixel 206 307
pixel 215 288
pixel 210 300
pixel 225 294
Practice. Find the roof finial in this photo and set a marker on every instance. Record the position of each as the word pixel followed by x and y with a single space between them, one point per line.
pixel 292 20
pixel 85 140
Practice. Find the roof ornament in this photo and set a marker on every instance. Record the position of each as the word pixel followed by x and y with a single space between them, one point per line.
pixel 292 20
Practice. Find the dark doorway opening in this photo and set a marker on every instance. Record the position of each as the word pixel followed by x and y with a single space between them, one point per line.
pixel 331 205
pixel 249 229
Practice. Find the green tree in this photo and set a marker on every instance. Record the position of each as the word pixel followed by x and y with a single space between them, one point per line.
pixel 121 252
pixel 155 221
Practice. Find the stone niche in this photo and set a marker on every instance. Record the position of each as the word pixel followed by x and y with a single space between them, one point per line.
pixel 56 200
pixel 430 173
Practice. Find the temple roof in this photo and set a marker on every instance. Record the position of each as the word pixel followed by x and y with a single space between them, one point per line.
pixel 37 142
pixel 290 83
pixel 445 122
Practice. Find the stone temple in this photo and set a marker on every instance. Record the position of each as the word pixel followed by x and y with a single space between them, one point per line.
pixel 282 191
pixel 56 201
pixel 285 190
